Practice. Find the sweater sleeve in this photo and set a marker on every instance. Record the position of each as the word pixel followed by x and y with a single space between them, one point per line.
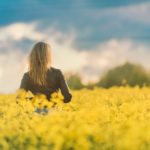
pixel 64 88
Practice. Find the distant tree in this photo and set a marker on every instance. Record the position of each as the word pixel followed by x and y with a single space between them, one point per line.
pixel 131 74
pixel 90 85
pixel 74 81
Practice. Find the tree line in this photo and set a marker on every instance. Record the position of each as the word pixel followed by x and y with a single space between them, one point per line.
pixel 127 74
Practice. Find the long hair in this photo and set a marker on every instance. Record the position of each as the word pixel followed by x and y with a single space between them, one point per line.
pixel 39 62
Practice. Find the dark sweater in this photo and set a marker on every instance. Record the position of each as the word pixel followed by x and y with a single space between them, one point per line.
pixel 55 82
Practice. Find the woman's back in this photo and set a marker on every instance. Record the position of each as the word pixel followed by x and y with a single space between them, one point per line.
pixel 55 81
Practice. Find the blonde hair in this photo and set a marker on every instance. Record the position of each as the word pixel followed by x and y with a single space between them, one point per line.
pixel 39 62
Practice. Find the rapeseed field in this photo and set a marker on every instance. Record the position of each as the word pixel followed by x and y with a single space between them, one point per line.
pixel 117 118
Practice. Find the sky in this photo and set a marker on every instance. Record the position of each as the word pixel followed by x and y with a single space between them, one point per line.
pixel 87 36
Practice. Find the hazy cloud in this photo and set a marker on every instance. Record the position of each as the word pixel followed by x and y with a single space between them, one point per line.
pixel 135 12
pixel 90 63
pixel 13 57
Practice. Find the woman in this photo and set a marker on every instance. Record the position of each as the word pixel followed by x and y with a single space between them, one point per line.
pixel 41 76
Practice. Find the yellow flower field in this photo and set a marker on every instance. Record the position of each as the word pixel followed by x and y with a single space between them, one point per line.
pixel 101 119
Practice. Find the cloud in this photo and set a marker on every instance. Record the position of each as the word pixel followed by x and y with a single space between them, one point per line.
pixel 19 31
pixel 91 63
pixel 13 56
pixel 112 53
pixel 135 12
pixel 12 65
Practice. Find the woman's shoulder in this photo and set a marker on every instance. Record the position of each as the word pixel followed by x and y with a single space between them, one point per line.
pixel 26 75
pixel 51 69
pixel 55 70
